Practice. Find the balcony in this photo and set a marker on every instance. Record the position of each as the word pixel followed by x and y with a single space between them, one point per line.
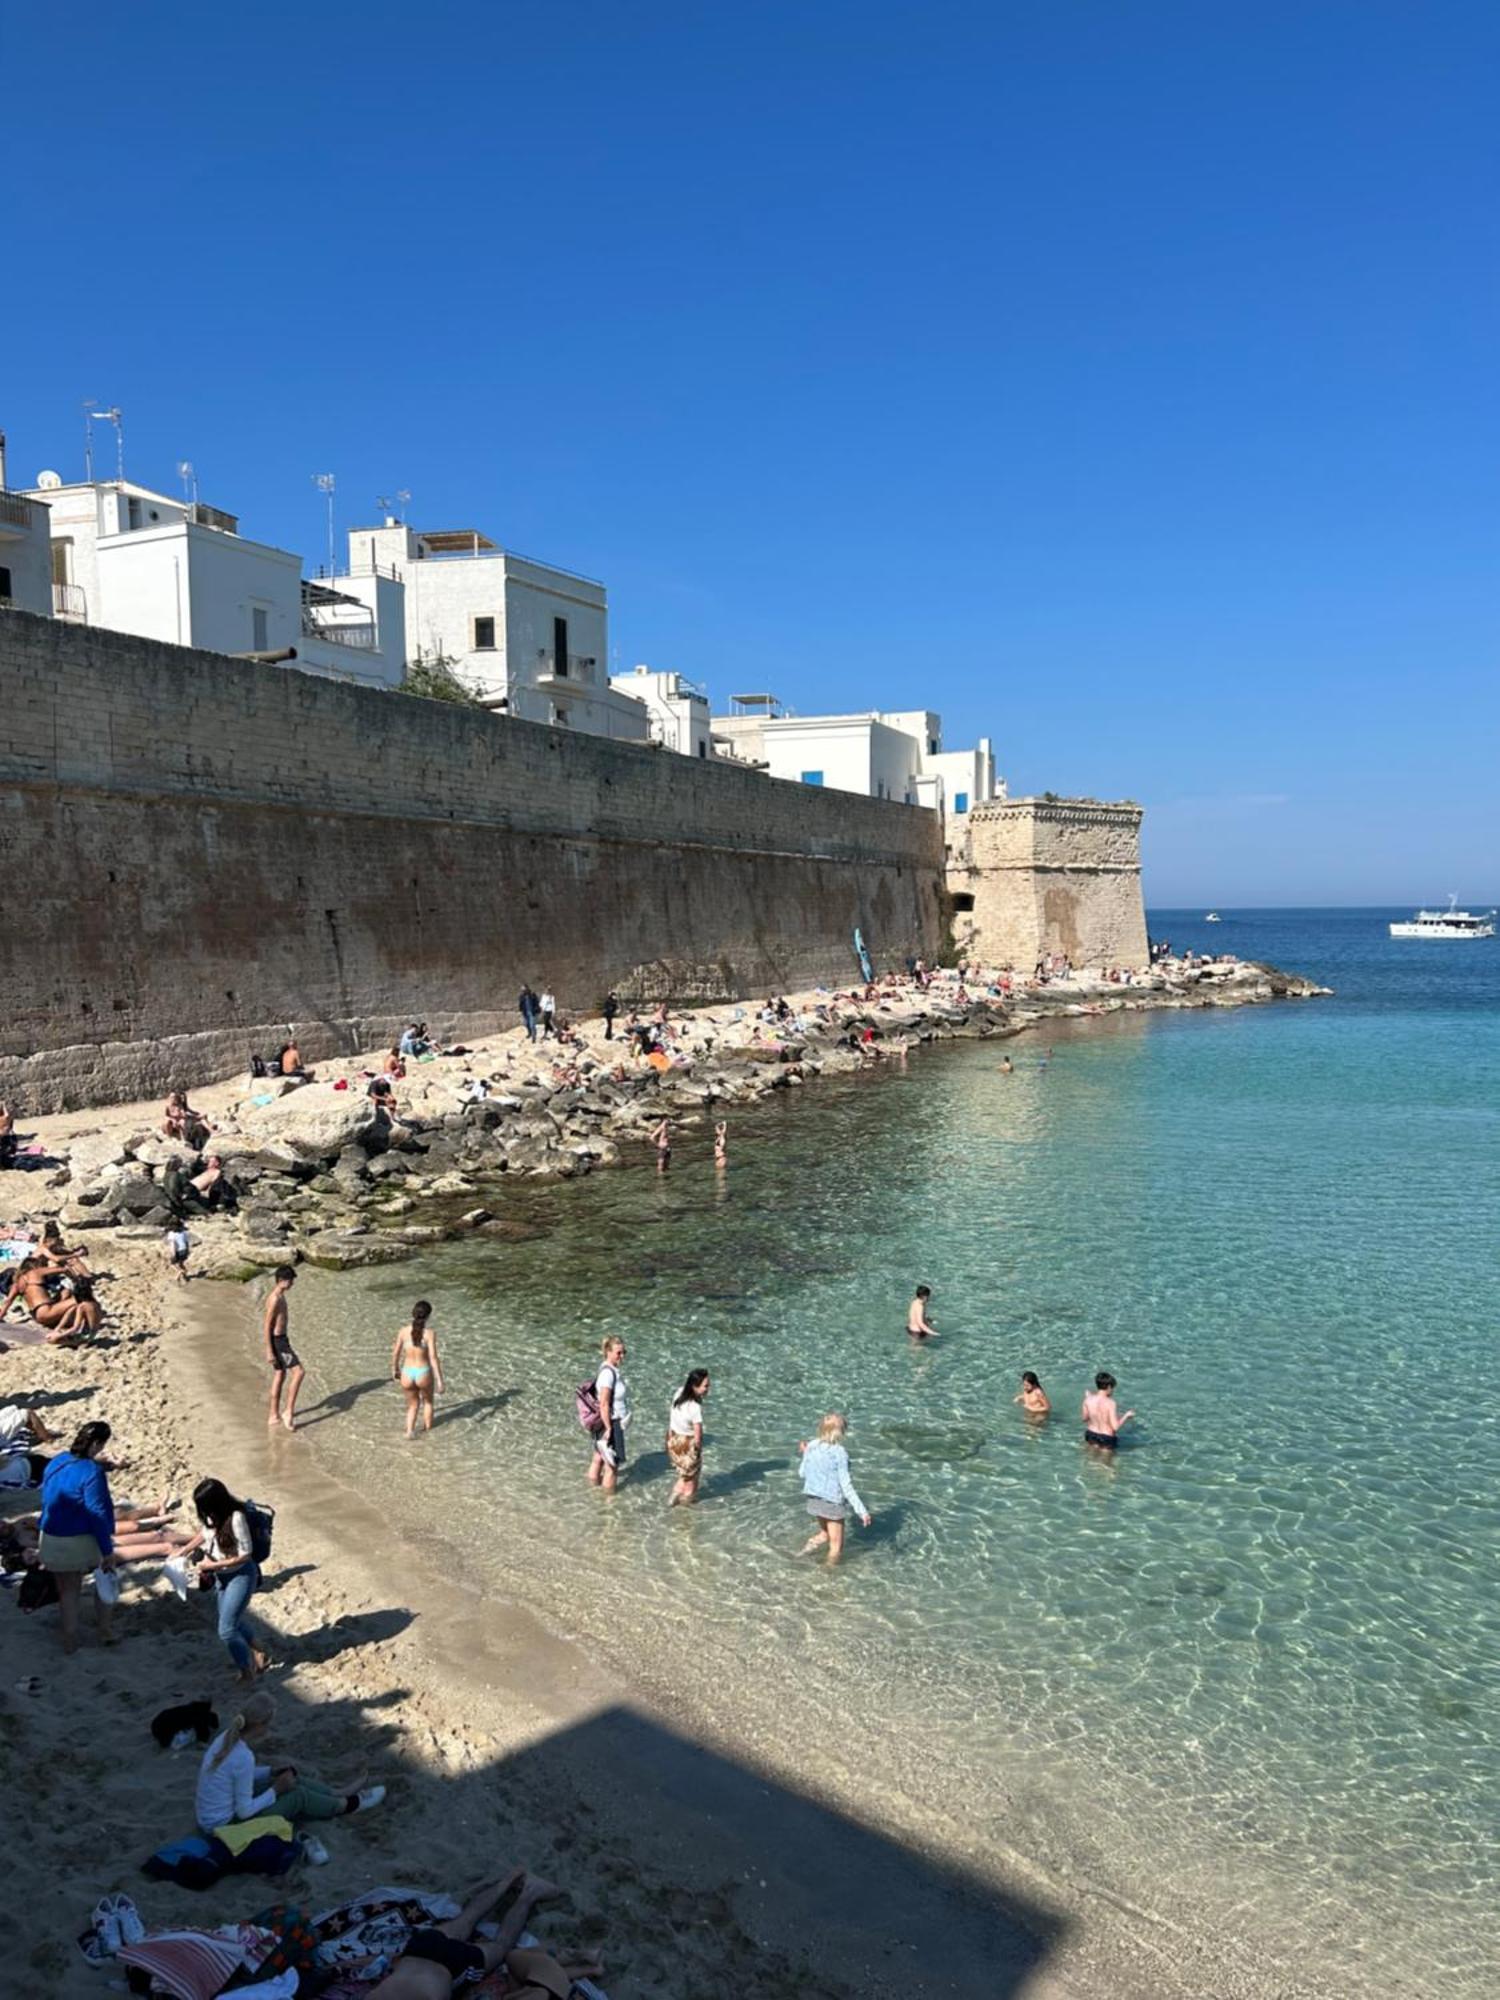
pixel 358 635
pixel 578 672
pixel 20 516
pixel 68 602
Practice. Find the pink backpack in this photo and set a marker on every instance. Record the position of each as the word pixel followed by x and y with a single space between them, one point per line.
pixel 586 1402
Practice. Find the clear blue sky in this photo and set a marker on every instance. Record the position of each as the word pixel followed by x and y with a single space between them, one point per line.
pixel 1116 377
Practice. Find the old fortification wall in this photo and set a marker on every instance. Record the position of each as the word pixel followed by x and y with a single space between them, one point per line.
pixel 1052 875
pixel 200 851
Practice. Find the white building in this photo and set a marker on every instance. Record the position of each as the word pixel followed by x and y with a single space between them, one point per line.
pixel 532 639
pixel 138 561
pixel 25 550
pixel 676 708
pixel 895 755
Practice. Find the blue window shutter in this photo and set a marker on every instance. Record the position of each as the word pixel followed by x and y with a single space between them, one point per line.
pixel 812 777
pixel 960 802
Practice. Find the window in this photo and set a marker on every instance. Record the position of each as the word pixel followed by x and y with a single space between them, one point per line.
pixel 932 746
pixel 259 642
pixel 812 777
pixel 62 559
pixel 484 635
pixel 960 802
pixel 702 749
pixel 560 646
pixel 4 585
pixel 962 900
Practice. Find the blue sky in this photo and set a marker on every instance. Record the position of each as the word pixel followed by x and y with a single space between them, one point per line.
pixel 1116 377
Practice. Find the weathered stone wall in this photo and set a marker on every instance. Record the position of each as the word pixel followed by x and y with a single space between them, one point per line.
pixel 1047 876
pixel 201 851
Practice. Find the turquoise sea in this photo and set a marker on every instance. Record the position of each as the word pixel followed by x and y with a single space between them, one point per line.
pixel 1243 1677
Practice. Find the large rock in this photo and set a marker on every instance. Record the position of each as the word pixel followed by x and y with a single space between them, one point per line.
pixel 353 1253
pixel 317 1123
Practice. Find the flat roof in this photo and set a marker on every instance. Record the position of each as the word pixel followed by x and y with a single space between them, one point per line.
pixel 454 538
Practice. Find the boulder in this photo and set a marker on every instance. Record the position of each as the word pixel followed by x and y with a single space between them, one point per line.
pixel 317 1122
pixel 345 1252
pixel 158 1151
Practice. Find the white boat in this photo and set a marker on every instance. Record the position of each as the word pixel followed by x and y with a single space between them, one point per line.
pixel 1449 923
pixel 1213 917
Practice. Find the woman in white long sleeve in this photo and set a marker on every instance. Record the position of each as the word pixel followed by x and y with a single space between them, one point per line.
pixel 233 1786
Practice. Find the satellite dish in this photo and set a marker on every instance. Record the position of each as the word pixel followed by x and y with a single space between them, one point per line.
pixel 49 481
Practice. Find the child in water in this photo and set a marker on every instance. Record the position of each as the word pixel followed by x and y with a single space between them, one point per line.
pixel 1033 1397
pixel 917 1323
pixel 1102 1422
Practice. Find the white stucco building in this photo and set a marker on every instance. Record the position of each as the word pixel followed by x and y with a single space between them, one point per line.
pixel 885 755
pixel 677 709
pixel 139 561
pixel 25 550
pixel 532 639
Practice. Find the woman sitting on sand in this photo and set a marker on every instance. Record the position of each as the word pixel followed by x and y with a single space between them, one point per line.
pixel 232 1786
pixel 56 1253
pixel 1033 1397
pixel 64 1308
pixel 8 1139
pixel 685 1437
pixel 415 1365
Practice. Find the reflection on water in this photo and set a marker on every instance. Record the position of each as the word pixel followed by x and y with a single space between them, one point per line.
pixel 1252 1656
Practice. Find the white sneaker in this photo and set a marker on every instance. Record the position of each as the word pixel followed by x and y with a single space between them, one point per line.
pixel 369 1798
pixel 314 1849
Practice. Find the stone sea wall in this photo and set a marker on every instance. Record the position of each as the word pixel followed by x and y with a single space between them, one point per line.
pixel 202 851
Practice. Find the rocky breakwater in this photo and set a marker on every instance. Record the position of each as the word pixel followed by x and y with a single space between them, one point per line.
pixel 324 1174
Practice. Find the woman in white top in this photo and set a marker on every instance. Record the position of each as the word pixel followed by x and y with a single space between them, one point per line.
pixel 685 1437
pixel 233 1786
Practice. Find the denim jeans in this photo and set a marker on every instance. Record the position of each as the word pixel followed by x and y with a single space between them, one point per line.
pixel 235 1592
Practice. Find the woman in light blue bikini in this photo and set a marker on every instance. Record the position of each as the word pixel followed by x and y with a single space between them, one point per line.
pixel 415 1365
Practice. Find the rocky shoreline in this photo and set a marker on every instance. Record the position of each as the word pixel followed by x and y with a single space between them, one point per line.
pixel 325 1176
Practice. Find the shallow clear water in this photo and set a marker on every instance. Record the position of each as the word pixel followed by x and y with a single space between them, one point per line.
pixel 1247 1671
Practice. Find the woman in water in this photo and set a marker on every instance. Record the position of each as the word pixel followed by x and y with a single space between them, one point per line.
pixel 415 1365
pixel 685 1437
pixel 1033 1397
pixel 831 1497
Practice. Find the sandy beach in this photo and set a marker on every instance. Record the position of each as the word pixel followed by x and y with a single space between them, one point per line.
pixel 700 1862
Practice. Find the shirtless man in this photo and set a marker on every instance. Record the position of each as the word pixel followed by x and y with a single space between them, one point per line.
pixel 285 1367
pixel 663 1138
pixel 442 1958
pixel 917 1323
pixel 721 1144
pixel 1102 1422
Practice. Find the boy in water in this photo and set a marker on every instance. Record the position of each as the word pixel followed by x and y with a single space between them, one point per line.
pixel 286 1369
pixel 917 1323
pixel 1102 1422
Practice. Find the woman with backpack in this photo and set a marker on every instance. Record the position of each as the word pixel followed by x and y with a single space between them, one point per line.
pixel 235 1553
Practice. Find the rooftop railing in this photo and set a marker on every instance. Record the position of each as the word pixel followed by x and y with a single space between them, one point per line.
pixel 358 637
pixel 16 511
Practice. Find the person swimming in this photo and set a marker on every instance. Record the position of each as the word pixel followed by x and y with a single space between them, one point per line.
pixel 1033 1397
pixel 415 1364
pixel 1102 1422
pixel 917 1322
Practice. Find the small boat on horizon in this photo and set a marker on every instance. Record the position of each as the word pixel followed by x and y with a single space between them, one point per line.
pixel 1213 917
pixel 1450 923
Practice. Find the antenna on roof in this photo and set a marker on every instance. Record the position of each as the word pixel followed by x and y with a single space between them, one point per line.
pixel 392 506
pixel 189 480
pixel 88 440
pixel 116 417
pixel 325 483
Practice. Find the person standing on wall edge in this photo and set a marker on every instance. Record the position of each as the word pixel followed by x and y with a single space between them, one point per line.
pixel 527 1005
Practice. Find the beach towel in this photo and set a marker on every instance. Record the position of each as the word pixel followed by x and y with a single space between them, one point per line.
pixel 376 1924
pixel 190 1965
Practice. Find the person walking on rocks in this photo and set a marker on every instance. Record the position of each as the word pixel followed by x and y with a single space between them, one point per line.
pixel 527 1005
pixel 609 1010
pixel 286 1368
pixel 548 1012
pixel 613 1392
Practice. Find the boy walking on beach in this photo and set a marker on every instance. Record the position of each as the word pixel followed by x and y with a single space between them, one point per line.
pixel 286 1369
pixel 178 1245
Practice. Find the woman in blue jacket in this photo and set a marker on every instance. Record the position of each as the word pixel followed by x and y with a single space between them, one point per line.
pixel 78 1529
pixel 831 1497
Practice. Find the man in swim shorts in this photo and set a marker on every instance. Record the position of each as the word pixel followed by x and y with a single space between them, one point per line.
pixel 917 1322
pixel 286 1368
pixel 1102 1422
pixel 441 1960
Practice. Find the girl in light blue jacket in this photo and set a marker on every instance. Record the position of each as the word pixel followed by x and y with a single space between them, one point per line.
pixel 831 1497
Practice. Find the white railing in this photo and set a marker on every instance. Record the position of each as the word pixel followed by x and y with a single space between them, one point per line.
pixel 19 512
pixel 68 601
pixel 360 637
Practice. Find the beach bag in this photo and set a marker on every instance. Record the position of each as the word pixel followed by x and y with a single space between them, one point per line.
pixel 261 1521
pixel 586 1401
pixel 258 1066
